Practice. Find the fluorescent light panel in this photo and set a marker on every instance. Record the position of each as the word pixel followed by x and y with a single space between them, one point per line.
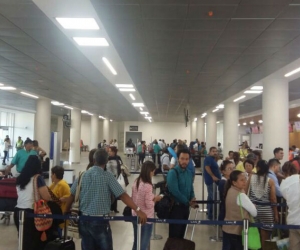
pixel 141 109
pixel 111 68
pixel 144 113
pixel 257 88
pixel 57 103
pixel 244 123
pixel 292 72
pixel 7 88
pixel 91 41
pixel 148 117
pixel 240 98
pixel 195 119
pixel 218 122
pixel 124 85
pixel 127 90
pixel 110 120
pixel 68 107
pixel 138 104
pixel 1 84
pixel 220 106
pixel 78 23
pixel 298 115
pixel 253 92
pixel 215 110
pixel 260 121
pixel 252 122
pixel 30 95
pixel 132 97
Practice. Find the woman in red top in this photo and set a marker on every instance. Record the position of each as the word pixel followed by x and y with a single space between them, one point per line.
pixel 144 198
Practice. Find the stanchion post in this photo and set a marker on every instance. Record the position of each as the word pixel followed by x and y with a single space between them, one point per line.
pixel 155 236
pixel 203 210
pixel 139 231
pixel 21 228
pixel 216 211
pixel 245 227
pixel 281 212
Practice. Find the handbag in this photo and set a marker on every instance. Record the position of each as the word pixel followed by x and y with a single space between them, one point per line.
pixel 121 181
pixel 253 233
pixel 73 230
pixel 41 207
pixel 277 243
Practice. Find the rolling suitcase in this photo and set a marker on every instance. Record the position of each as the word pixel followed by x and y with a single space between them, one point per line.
pixel 8 188
pixel 61 244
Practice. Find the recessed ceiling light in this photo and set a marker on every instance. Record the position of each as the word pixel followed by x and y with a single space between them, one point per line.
pixel 218 122
pixel 132 97
pixel 196 119
pixel 144 113
pixel 252 122
pixel 100 116
pixel 124 85
pixel 30 95
pixel 111 68
pixel 1 84
pixel 7 88
pixel 84 111
pixel 257 88
pixel 215 110
pixel 78 23
pixel 141 109
pixel 148 117
pixel 90 114
pixel 110 120
pixel 292 72
pixel 298 115
pixel 127 90
pixel 68 107
pixel 240 98
pixel 253 92
pixel 245 123
pixel 138 104
pixel 260 121
pixel 239 124
pixel 57 103
pixel 91 41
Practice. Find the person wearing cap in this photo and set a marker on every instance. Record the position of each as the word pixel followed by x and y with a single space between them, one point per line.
pixel 21 157
pixel 19 144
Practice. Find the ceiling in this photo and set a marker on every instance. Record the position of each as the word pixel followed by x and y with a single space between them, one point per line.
pixel 174 52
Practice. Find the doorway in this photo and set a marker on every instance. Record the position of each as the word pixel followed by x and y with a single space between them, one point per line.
pixel 134 136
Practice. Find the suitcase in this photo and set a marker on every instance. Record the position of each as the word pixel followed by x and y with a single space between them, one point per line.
pixel 179 244
pixel 8 188
pixel 61 244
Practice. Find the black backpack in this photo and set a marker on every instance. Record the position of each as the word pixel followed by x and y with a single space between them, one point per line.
pixel 164 207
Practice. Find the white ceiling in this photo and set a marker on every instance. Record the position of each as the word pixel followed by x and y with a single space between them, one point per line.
pixel 174 53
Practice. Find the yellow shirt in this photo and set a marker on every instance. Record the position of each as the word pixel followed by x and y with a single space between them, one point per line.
pixel 61 189
pixel 243 153
pixel 240 166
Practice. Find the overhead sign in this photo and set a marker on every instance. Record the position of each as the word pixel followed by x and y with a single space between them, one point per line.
pixel 133 128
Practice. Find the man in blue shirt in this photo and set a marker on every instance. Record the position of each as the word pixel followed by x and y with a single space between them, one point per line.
pixel 274 168
pixel 180 185
pixel 211 174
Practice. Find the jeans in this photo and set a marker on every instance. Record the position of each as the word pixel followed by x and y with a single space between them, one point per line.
pixel 5 156
pixel 145 235
pixel 226 241
pixel 179 212
pixel 235 241
pixel 141 158
pixel 210 197
pixel 96 235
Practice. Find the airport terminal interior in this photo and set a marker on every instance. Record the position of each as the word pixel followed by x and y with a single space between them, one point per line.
pixel 80 75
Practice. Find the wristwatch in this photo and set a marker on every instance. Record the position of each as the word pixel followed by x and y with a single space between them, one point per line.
pixel 138 209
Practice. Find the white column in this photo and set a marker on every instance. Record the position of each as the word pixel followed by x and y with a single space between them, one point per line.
pixel 275 117
pixel 60 129
pixel 200 130
pixel 193 125
pixel 231 129
pixel 106 134
pixel 211 130
pixel 94 132
pixel 115 132
pixel 75 132
pixel 42 126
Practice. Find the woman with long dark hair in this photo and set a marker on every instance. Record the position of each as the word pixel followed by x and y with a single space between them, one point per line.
pixel 235 201
pixel 91 158
pixel 143 197
pixel 262 190
pixel 31 237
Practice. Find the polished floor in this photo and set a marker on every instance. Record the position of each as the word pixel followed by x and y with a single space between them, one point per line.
pixel 122 231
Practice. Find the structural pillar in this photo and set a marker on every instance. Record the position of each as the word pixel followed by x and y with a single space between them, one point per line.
pixel 42 124
pixel 275 117
pixel 94 132
pixel 231 129
pixel 106 134
pixel 211 130
pixel 193 125
pixel 75 132
pixel 60 129
pixel 200 130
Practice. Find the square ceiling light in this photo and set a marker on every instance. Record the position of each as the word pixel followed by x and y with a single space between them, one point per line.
pixel 91 41
pixel 78 23
pixel 124 85
pixel 253 92
pixel 127 90
pixel 138 104
pixel 257 88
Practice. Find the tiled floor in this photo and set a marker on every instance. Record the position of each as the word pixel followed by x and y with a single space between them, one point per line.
pixel 122 231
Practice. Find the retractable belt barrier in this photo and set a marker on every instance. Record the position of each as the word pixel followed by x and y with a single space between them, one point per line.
pixel 136 172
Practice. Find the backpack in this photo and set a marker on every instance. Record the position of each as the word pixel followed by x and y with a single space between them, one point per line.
pixel 164 206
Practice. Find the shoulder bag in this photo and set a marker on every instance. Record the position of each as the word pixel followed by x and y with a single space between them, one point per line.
pixel 253 233
pixel 73 230
pixel 41 207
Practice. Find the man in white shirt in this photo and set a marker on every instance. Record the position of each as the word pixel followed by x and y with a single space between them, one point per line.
pixel 160 144
pixel 115 143
pixel 165 161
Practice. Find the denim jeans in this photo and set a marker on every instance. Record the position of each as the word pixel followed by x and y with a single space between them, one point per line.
pixel 96 235
pixel 210 197
pixel 226 241
pixel 234 240
pixel 178 212
pixel 145 235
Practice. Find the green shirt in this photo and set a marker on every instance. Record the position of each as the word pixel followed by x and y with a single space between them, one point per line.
pixel 21 157
pixel 156 148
